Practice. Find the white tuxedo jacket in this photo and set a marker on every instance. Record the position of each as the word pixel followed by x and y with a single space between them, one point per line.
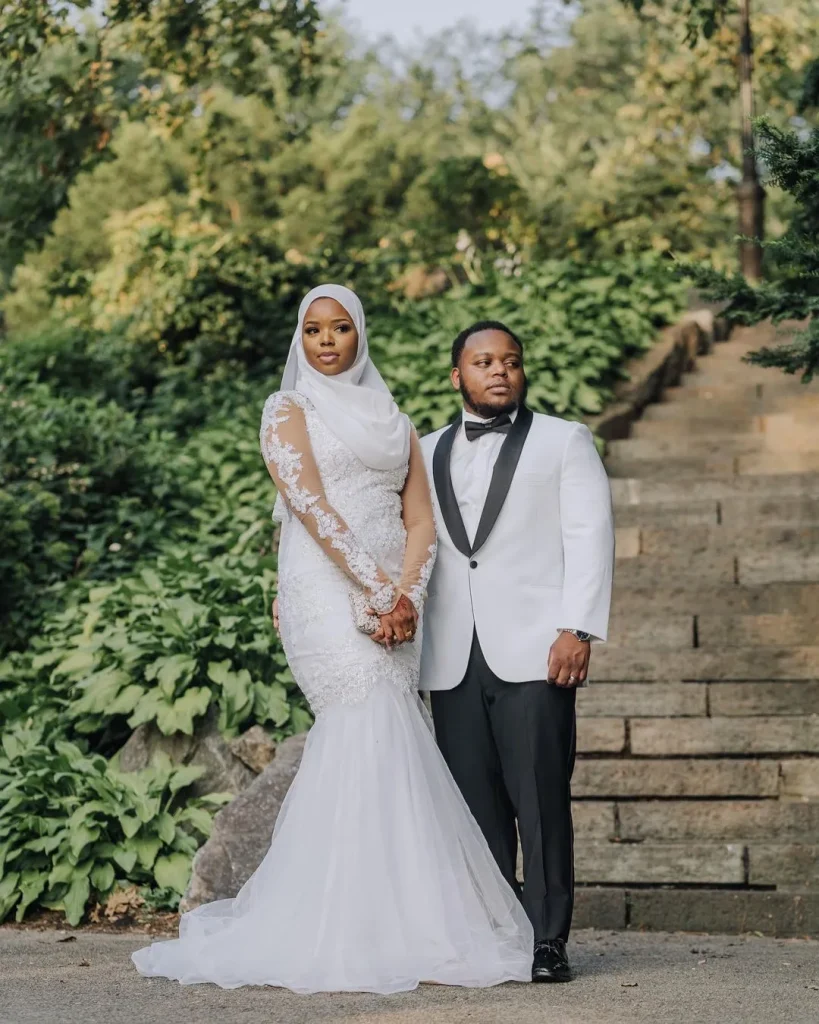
pixel 541 561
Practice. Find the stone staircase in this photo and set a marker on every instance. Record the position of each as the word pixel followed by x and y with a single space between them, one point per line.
pixel 697 782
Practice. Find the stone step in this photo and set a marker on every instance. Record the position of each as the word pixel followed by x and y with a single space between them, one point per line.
pixel 772 511
pixel 683 777
pixel 611 700
pixel 634 664
pixel 656 540
pixel 658 631
pixel 707 567
pixel 731 512
pixel 718 911
pixel 683 408
pixel 595 819
pixel 680 737
pixel 660 863
pixel 713 426
pixel 725 699
pixel 788 866
pixel 799 778
pixel 679 599
pixel 761 699
pixel 689 513
pixel 712 630
pixel 711 820
pixel 627 492
pixel 675 467
pixel 795 430
pixel 764 630
pixel 758 567
pixel 656 449
pixel 728 386
pixel 601 736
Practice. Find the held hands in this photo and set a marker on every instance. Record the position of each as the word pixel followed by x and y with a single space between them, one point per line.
pixel 568 661
pixel 398 626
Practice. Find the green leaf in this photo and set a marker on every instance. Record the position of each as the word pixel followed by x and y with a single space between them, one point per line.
pixel 165 828
pixel 126 857
pixel 219 672
pixel 152 580
pixel 81 837
pixel 146 848
pixel 127 699
pixel 173 670
pixel 75 900
pixel 198 818
pixel 185 775
pixel 179 716
pixel 77 663
pixel 102 877
pixel 187 609
pixel 129 824
pixel 32 884
pixel 63 872
pixel 173 872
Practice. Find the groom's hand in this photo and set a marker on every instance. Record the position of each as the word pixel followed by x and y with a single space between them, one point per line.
pixel 568 661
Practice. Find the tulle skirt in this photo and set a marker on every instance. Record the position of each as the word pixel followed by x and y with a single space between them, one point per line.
pixel 377 878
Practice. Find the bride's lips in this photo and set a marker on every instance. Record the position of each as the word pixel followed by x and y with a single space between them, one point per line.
pixel 329 357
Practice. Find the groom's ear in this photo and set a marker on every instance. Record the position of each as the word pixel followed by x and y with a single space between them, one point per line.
pixel 455 378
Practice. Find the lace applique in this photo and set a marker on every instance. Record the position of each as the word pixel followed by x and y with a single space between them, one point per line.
pixel 304 494
pixel 362 566
pixel 417 593
pixel 285 458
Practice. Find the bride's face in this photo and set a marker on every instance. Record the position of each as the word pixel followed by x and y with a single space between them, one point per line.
pixel 329 336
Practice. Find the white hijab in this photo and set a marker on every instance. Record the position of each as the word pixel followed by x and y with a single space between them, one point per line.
pixel 356 405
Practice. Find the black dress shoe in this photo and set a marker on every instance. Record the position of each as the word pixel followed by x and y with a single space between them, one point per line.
pixel 551 962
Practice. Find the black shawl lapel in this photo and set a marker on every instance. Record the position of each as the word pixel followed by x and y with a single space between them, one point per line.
pixel 502 476
pixel 442 479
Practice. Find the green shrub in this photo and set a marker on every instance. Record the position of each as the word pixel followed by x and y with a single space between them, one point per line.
pixel 579 323
pixel 162 646
pixel 73 829
pixel 75 475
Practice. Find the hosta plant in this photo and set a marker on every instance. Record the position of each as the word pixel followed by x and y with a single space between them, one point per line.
pixel 72 828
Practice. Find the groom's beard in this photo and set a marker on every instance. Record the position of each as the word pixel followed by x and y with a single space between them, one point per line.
pixel 487 411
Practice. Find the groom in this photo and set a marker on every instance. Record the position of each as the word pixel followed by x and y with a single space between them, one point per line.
pixel 521 588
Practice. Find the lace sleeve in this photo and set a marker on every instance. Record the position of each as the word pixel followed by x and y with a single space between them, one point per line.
pixel 286 449
pixel 422 543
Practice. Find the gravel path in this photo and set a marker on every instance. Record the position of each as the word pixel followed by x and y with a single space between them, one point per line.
pixel 622 977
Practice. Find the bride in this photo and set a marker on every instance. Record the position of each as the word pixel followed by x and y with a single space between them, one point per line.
pixel 377 878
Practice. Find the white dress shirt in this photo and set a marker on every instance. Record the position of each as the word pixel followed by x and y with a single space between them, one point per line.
pixel 471 467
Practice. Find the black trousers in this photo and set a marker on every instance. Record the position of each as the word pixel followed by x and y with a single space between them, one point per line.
pixel 511 748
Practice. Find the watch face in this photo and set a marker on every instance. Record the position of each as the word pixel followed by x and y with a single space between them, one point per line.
pixel 585 637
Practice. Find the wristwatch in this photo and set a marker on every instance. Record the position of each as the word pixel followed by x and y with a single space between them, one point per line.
pixel 579 633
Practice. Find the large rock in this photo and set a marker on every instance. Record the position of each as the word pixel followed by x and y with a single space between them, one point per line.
pixel 224 771
pixel 255 748
pixel 242 831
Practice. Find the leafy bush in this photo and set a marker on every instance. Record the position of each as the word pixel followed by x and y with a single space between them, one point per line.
pixel 74 475
pixel 162 646
pixel 579 323
pixel 72 829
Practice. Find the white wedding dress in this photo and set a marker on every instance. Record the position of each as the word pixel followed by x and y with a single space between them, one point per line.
pixel 377 878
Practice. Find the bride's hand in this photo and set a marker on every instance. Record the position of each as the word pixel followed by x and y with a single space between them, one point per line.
pixel 399 625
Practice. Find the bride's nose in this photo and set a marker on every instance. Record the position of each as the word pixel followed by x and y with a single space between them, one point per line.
pixel 327 338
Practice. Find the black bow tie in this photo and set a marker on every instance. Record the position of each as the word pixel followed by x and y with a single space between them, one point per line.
pixel 499 425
